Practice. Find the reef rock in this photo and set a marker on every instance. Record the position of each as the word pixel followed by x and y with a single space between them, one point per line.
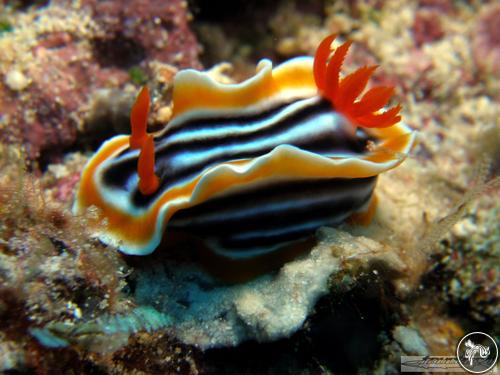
pixel 486 40
pixel 207 314
pixel 56 57
pixel 144 29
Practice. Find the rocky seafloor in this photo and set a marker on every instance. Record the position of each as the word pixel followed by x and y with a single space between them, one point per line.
pixel 421 275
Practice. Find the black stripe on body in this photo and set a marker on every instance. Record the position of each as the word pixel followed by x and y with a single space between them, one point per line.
pixel 216 121
pixel 324 140
pixel 221 120
pixel 241 222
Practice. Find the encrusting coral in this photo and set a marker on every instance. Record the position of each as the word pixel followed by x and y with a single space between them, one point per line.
pixel 208 314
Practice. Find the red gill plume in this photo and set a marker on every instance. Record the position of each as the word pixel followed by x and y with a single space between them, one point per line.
pixel 343 93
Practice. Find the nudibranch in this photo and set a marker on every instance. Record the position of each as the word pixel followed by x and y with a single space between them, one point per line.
pixel 248 167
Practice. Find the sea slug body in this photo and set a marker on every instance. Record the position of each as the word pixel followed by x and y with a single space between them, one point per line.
pixel 248 167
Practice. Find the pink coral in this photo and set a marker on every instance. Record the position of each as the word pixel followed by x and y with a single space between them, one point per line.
pixel 442 6
pixel 137 29
pixel 66 187
pixel 486 40
pixel 427 27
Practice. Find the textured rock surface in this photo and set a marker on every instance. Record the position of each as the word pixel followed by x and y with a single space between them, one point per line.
pixel 56 57
pixel 270 307
pixel 486 42
pixel 143 29
pixel 410 340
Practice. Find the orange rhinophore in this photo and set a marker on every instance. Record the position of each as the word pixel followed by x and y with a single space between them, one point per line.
pixel 139 119
pixel 344 93
pixel 148 180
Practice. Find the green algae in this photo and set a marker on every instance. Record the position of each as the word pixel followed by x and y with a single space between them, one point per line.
pixel 137 75
pixel 5 27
